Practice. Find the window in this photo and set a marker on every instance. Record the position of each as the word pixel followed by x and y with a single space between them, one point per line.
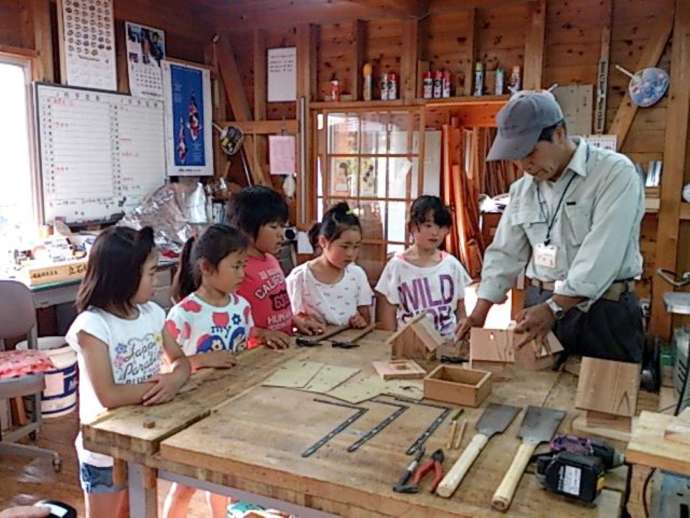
pixel 371 160
pixel 17 202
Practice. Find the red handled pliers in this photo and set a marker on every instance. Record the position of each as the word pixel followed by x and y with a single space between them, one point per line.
pixel 434 463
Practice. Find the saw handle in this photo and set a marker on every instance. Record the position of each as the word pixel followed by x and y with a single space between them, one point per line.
pixel 453 478
pixel 504 494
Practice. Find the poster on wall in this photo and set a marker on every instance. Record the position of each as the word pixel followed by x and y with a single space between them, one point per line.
pixel 188 123
pixel 145 53
pixel 87 43
pixel 282 75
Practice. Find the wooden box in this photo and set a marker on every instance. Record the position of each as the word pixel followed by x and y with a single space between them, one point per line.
pixel 455 384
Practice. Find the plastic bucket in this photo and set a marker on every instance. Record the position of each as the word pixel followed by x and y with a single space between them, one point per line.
pixel 60 395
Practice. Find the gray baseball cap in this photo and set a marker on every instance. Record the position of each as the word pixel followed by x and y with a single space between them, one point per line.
pixel 521 121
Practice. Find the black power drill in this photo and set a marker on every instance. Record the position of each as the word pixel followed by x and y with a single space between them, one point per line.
pixel 576 466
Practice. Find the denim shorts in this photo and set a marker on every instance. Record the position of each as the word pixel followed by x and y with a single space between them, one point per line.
pixel 95 479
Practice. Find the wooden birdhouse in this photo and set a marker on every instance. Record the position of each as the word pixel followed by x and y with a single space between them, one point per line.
pixel 416 340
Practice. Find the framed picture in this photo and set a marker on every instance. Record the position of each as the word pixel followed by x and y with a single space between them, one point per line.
pixel 188 122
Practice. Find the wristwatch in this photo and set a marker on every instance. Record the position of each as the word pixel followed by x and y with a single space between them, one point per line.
pixel 555 308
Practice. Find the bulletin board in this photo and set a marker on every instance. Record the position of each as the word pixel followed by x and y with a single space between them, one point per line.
pixel 100 152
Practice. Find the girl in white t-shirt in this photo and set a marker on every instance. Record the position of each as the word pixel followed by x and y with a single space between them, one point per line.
pixel 118 337
pixel 424 279
pixel 332 289
pixel 210 322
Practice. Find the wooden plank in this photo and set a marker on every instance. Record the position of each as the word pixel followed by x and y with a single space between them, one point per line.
pixel 534 46
pixel 649 447
pixel 648 58
pixel 408 61
pixel 603 71
pixel 227 66
pixel 43 39
pixel 397 8
pixel 608 387
pixel 472 44
pixel 359 38
pixel 260 95
pixel 675 156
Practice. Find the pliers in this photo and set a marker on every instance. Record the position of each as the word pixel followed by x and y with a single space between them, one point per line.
pixel 435 463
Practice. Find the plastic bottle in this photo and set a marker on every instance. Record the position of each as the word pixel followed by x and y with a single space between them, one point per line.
pixel 478 79
pixel 428 82
pixel 366 81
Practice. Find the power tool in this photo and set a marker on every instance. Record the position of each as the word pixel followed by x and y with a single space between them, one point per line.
pixel 576 466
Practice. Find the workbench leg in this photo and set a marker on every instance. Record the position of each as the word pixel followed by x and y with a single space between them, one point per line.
pixel 143 496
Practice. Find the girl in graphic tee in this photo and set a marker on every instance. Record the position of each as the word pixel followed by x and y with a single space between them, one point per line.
pixel 118 337
pixel 424 279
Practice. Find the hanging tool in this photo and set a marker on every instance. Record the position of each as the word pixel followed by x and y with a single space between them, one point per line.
pixel 538 425
pixel 352 342
pixel 342 426
pixel 409 471
pixel 421 440
pixel 495 419
pixel 576 466
pixel 435 463
pixel 376 429
pixel 303 341
pixel 454 428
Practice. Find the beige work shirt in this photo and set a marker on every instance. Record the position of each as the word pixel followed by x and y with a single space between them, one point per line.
pixel 596 231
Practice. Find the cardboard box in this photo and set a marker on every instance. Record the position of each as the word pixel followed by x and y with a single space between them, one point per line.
pixel 455 384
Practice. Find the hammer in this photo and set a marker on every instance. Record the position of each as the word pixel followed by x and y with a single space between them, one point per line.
pixel 353 341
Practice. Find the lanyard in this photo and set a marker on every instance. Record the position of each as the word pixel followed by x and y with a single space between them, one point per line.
pixel 547 241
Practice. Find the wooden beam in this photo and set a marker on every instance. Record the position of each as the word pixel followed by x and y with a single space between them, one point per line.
pixel 649 57
pixel 232 82
pixel 472 46
pixel 396 8
pixel 534 46
pixel 260 92
pixel 307 40
pixel 675 155
pixel 264 127
pixel 603 71
pixel 359 39
pixel 43 40
pixel 408 61
pixel 221 162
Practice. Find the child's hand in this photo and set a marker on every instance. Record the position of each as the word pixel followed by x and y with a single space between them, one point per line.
pixel 165 388
pixel 309 326
pixel 357 321
pixel 275 339
pixel 219 359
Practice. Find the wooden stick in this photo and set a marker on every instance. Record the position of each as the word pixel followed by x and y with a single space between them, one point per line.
pixel 461 433
pixel 453 430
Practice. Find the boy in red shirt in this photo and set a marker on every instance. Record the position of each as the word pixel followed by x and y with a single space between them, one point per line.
pixel 261 214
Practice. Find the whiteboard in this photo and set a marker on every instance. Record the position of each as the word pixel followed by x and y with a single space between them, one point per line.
pixel 100 153
pixel 282 74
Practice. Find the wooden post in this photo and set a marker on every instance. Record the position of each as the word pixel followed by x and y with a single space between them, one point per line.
pixel 220 159
pixel 534 45
pixel 307 39
pixel 43 40
pixel 232 82
pixel 649 58
pixel 471 52
pixel 260 89
pixel 359 38
pixel 675 155
pixel 408 61
pixel 603 71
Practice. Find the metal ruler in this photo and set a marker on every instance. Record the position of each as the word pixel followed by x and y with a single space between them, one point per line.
pixel 380 426
pixel 342 426
pixel 421 440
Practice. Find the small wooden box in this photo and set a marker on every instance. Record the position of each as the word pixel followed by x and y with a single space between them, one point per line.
pixel 455 384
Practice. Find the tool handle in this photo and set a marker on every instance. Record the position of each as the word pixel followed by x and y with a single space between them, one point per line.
pixel 504 494
pixel 453 478
pixel 626 72
pixel 363 332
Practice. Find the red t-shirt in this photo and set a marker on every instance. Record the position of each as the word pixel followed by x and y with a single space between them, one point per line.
pixel 265 289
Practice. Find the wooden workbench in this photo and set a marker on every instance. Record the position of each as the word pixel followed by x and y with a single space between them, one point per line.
pixel 227 430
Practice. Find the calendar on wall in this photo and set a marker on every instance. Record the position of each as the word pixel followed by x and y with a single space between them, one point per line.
pixel 87 43
pixel 145 51
pixel 101 153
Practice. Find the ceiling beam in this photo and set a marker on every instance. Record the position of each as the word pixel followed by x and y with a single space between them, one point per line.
pixel 398 8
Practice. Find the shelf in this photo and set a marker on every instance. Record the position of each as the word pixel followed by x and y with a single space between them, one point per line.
pixel 346 105
pixel 449 102
pixel 652 206
pixel 464 101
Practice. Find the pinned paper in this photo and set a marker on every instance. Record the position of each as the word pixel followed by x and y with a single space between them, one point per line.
pixel 281 154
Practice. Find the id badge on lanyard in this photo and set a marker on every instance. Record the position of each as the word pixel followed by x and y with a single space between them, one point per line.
pixel 545 255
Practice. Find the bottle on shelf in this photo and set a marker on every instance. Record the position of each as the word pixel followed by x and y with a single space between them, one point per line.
pixel 367 81
pixel 478 79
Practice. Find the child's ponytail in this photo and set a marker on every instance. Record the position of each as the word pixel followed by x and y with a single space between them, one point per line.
pixel 184 282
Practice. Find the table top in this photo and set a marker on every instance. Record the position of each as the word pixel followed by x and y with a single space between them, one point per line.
pixel 227 428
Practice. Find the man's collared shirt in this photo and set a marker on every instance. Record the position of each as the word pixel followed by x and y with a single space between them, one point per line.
pixel 596 231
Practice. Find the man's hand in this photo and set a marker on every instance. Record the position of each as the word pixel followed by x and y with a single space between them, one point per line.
pixel 476 319
pixel 534 322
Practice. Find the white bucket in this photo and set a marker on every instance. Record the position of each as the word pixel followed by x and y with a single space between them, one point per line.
pixel 60 395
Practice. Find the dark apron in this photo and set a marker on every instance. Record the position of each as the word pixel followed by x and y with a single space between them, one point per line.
pixel 609 330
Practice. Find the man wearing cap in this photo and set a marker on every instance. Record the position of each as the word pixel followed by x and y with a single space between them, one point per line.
pixel 573 222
